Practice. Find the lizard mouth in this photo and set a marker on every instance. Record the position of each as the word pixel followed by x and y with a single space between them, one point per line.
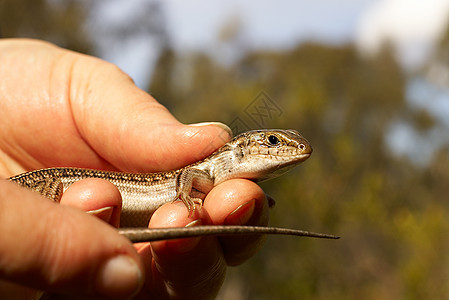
pixel 301 158
pixel 298 158
pixel 286 160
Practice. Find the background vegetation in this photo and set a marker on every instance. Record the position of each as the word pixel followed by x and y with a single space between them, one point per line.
pixel 391 210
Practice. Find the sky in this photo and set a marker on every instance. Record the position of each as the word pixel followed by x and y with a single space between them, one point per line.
pixel 413 26
pixel 266 23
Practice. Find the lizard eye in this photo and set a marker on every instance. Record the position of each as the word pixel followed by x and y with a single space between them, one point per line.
pixel 273 140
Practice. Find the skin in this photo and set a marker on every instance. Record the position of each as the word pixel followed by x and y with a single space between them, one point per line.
pixel 61 108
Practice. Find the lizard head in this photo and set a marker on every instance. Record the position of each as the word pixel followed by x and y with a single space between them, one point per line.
pixel 269 153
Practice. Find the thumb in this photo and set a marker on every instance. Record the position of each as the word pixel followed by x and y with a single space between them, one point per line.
pixel 60 249
pixel 130 129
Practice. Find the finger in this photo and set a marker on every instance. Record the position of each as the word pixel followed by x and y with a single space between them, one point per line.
pixel 191 268
pixel 137 132
pixel 56 248
pixel 238 202
pixel 93 109
pixel 98 197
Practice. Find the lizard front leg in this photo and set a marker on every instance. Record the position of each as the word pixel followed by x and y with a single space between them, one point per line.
pixel 192 181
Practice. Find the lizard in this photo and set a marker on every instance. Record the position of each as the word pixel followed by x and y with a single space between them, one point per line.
pixel 256 155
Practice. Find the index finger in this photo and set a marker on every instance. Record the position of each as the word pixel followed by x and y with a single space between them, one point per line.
pixel 238 202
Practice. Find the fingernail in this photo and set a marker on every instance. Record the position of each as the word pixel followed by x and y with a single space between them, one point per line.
pixel 119 277
pixel 104 213
pixel 185 245
pixel 218 124
pixel 241 214
pixel 194 223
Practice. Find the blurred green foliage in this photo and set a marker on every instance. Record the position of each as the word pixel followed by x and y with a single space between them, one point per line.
pixel 393 215
pixel 60 22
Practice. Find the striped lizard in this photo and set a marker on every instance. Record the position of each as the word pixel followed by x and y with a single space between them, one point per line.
pixel 255 155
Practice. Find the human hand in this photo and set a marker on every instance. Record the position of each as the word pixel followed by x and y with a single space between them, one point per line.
pixel 60 108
